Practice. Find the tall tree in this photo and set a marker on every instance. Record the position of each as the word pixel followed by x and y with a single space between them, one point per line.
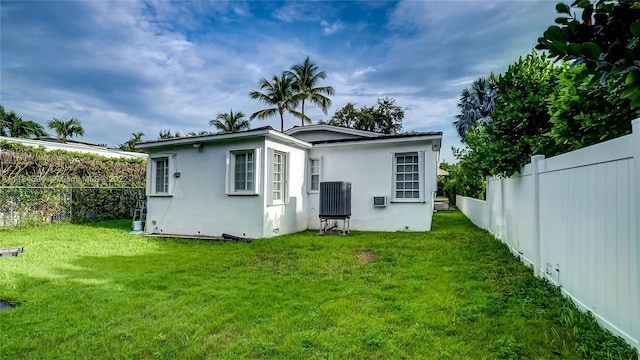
pixel 384 117
pixel 12 125
pixel 65 129
pixel 130 145
pixel 230 122
pixel 605 38
pixel 583 113
pixel 305 77
pixel 520 122
pixel 3 122
pixel 166 134
pixel 476 104
pixel 279 94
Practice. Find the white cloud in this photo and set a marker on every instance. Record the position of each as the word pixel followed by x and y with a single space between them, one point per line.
pixel 329 29
pixel 131 66
pixel 360 72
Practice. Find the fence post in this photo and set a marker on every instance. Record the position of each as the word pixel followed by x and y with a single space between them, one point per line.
pixel 535 172
pixel 635 230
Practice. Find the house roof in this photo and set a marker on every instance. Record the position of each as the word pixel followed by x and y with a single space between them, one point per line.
pixel 336 129
pixel 362 137
pixel 442 172
pixel 265 131
pixel 387 138
pixel 51 144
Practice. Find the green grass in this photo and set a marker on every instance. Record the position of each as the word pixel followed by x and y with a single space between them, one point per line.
pixel 93 291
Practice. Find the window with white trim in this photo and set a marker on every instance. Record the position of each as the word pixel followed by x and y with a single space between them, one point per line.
pixel 242 171
pixel 314 175
pixel 279 176
pixel 406 174
pixel 160 181
pixel 161 175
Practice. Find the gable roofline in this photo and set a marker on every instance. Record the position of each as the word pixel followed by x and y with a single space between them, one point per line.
pixel 265 131
pixel 383 138
pixel 337 129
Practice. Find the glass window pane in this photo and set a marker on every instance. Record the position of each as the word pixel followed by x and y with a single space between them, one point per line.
pixel 243 172
pixel 407 176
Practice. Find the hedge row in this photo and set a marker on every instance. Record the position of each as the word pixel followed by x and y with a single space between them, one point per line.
pixel 39 185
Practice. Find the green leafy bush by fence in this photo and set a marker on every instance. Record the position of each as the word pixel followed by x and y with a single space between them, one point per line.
pixel 38 185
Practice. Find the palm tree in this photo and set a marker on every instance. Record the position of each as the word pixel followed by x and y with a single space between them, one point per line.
pixel 27 129
pixel 136 137
pixel 476 104
pixel 230 122
pixel 3 122
pixel 279 94
pixel 12 125
pixel 305 76
pixel 66 128
pixel 130 145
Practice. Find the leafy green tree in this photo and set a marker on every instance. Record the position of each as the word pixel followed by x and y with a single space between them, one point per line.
pixel 520 120
pixel 347 117
pixel 476 104
pixel 65 129
pixel 130 145
pixel 305 77
pixel 583 113
pixel 384 117
pixel 230 122
pixel 605 38
pixel 464 178
pixel 278 93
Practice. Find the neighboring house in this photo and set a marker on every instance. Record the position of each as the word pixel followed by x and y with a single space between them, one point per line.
pixel 51 144
pixel 442 173
pixel 261 183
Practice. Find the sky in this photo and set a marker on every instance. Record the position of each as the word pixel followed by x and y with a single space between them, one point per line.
pixel 127 66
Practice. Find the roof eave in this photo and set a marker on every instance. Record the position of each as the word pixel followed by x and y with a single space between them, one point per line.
pixel 266 132
pixel 379 141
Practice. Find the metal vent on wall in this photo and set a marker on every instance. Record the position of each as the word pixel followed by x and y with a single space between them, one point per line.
pixel 379 201
pixel 335 199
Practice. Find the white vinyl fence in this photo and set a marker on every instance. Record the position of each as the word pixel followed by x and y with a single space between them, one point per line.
pixel 574 218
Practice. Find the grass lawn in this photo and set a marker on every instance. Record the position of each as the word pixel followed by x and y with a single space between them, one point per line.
pixel 93 291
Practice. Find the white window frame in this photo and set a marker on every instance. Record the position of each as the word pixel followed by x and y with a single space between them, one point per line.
pixel 152 185
pixel 230 188
pixel 311 174
pixel 420 174
pixel 271 153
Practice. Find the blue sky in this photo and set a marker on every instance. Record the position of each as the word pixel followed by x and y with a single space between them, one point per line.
pixel 128 66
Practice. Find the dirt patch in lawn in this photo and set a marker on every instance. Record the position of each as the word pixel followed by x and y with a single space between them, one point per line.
pixel 365 257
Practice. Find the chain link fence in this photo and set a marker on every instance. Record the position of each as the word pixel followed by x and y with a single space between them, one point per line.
pixel 19 205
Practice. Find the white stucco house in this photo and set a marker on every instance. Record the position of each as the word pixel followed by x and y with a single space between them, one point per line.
pixel 261 182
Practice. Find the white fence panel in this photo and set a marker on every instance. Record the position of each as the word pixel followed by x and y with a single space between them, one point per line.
pixel 475 210
pixel 581 230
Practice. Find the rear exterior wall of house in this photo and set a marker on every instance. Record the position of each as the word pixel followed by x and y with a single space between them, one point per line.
pixel 403 172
